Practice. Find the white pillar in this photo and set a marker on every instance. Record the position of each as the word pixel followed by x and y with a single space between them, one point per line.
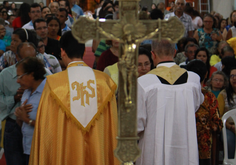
pixel 224 7
pixel 234 4
pixel 158 1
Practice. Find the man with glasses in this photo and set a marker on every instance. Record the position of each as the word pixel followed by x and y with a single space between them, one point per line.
pixel 184 18
pixel 190 50
pixel 35 13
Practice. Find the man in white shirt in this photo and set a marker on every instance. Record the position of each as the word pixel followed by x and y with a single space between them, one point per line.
pixel 167 103
pixel 35 13
pixel 184 18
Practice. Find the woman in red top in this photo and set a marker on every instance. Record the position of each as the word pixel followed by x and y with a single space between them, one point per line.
pixel 23 16
pixel 203 55
pixel 109 57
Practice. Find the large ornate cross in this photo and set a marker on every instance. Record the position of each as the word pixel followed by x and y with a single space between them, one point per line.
pixel 129 31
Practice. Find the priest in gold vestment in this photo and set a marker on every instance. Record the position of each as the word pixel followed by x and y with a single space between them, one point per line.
pixel 76 121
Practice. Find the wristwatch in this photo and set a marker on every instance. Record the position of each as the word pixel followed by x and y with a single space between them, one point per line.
pixel 30 122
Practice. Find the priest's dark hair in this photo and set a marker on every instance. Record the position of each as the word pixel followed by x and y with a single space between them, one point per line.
pixel 71 46
pixel 198 67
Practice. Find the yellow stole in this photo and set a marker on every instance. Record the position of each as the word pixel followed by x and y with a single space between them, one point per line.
pixel 60 91
pixel 170 74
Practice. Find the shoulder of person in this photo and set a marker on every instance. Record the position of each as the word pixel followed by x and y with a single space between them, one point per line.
pixel 187 16
pixel 167 16
pixel 49 56
pixel 8 71
pixel 104 79
pixel 223 93
pixel 182 63
pixel 193 77
pixel 152 79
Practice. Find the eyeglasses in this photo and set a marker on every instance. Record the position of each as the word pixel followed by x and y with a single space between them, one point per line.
pixel 232 76
pixel 20 77
pixel 145 65
pixel 216 80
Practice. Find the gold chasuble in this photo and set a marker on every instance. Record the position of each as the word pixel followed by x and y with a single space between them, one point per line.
pixel 170 74
pixel 63 137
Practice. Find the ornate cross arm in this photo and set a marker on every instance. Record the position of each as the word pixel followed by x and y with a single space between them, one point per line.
pixel 85 29
pixel 171 29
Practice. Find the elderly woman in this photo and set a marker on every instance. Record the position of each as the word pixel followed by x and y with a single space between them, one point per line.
pixel 208 36
pixel 217 82
pixel 30 75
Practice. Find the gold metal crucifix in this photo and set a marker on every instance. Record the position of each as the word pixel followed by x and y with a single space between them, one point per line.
pixel 129 31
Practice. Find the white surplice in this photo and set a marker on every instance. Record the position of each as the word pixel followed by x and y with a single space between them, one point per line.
pixel 166 120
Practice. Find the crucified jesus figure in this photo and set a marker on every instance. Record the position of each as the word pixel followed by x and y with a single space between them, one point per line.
pixel 126 63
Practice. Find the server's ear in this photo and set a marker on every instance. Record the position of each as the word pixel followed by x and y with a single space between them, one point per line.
pixel 153 55
pixel 63 53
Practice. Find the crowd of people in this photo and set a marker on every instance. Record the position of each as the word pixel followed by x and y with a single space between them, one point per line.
pixel 183 89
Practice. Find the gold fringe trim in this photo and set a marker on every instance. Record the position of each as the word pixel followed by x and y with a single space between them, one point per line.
pixel 96 116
